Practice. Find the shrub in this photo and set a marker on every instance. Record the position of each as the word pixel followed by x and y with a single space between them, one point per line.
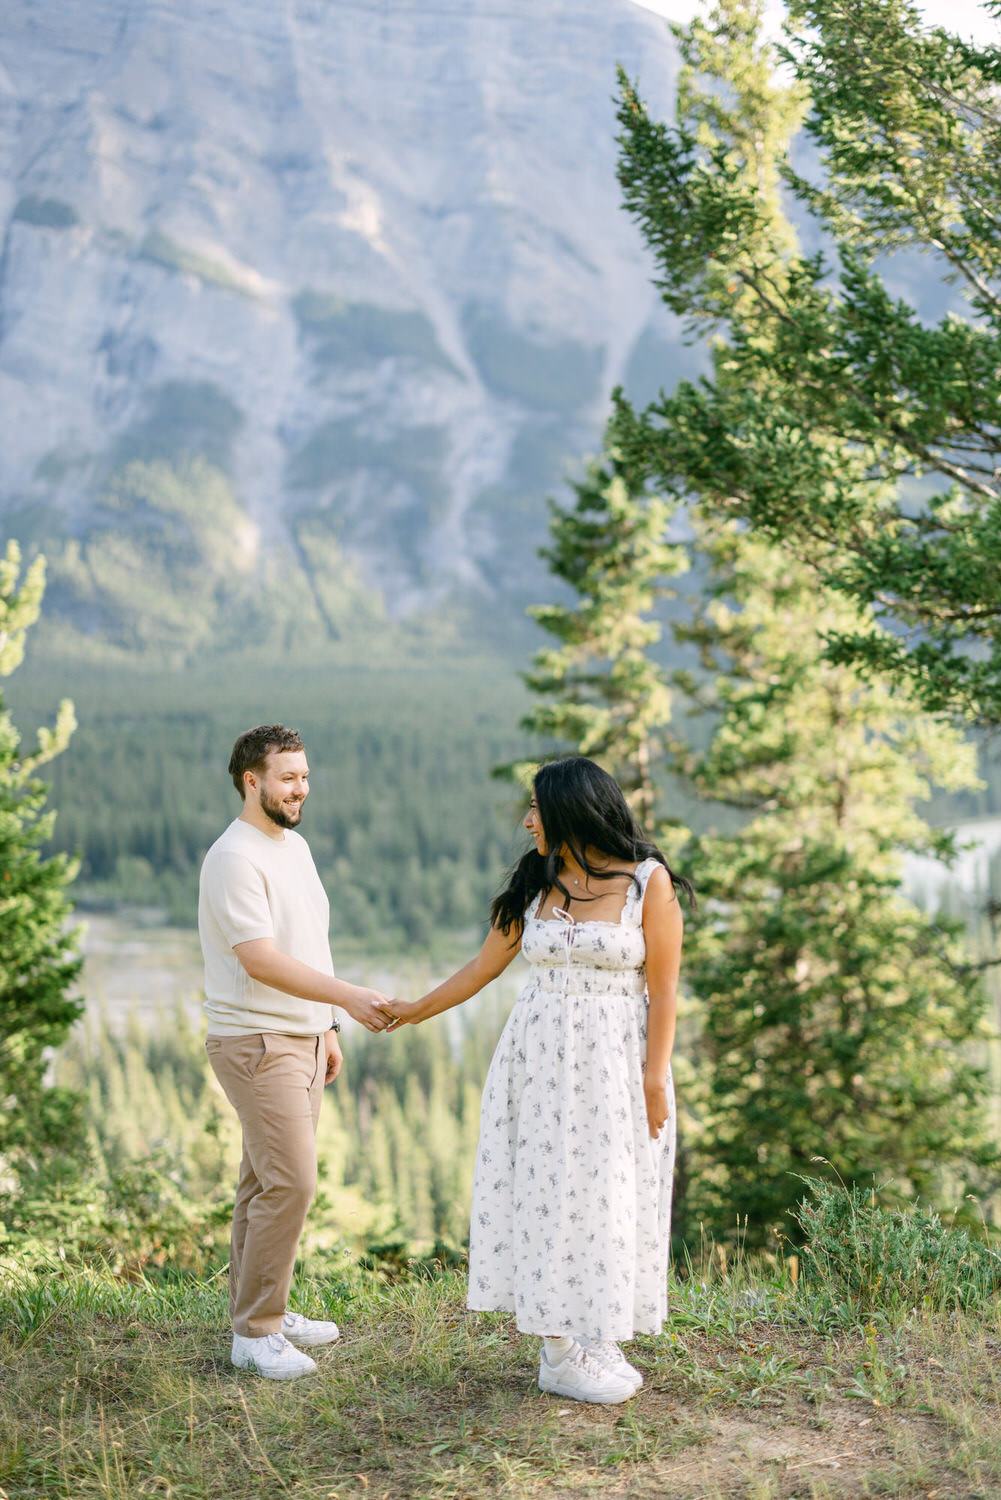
pixel 886 1260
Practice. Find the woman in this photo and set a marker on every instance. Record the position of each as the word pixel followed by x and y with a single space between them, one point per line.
pixel 572 1186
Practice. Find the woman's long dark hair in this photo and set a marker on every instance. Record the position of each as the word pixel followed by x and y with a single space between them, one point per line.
pixel 580 807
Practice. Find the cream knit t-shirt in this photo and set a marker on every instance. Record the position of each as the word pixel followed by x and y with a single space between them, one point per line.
pixel 253 886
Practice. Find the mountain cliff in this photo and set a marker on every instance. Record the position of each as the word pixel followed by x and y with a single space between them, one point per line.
pixel 306 304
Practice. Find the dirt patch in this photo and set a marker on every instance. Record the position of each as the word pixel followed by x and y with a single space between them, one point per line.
pixel 777 1457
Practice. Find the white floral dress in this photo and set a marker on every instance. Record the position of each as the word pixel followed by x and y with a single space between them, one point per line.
pixel 571 1198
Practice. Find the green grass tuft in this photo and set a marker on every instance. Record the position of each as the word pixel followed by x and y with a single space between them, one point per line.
pixel 120 1389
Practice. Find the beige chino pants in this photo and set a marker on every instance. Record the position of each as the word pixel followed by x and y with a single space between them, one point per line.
pixel 275 1084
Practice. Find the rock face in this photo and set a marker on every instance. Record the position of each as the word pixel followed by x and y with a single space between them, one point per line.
pixel 309 298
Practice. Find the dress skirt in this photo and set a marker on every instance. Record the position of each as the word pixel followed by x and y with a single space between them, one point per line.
pixel 571 1208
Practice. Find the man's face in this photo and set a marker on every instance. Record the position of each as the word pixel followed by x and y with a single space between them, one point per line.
pixel 283 786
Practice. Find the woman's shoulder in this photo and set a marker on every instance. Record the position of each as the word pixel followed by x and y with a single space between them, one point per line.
pixel 656 881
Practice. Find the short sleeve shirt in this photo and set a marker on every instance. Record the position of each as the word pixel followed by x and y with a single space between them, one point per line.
pixel 253 886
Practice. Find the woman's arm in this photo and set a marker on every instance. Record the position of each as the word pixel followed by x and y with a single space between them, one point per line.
pixel 493 958
pixel 662 930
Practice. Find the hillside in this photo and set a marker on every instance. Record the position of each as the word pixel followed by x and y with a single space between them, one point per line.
pixel 303 308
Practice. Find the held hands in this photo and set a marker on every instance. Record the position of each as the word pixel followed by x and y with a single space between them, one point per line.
pixel 369 1007
pixel 402 1013
pixel 657 1111
pixel 377 1012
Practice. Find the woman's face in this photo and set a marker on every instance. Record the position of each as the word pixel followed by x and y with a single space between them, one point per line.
pixel 534 825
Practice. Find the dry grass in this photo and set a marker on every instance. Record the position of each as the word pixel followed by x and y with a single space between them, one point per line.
pixel 120 1391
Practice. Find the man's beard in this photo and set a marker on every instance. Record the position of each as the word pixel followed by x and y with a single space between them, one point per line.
pixel 275 809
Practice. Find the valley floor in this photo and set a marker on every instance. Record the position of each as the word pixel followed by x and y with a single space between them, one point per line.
pixel 118 1390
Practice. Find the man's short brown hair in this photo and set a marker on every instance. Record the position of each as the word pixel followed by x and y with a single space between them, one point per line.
pixel 251 751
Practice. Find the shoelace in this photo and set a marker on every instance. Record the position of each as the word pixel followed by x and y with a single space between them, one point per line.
pixel 277 1342
pixel 585 1360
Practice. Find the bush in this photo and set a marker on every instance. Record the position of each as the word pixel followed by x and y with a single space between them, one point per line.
pixel 887 1260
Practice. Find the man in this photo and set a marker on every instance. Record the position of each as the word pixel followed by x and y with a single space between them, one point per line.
pixel 263 919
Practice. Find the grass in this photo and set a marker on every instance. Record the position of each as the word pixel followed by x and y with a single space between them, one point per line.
pixel 119 1389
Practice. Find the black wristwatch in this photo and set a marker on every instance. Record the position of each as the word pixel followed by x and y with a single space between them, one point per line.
pixel 334 1026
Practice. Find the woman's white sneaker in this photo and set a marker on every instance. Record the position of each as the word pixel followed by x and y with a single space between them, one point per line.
pixel 308 1332
pixel 581 1376
pixel 613 1359
pixel 271 1356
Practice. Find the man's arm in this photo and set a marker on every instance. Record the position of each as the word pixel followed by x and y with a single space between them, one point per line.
pixel 334 1055
pixel 265 963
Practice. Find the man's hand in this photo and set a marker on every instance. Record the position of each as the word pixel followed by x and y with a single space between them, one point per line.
pixel 400 1013
pixel 657 1111
pixel 364 1006
pixel 335 1057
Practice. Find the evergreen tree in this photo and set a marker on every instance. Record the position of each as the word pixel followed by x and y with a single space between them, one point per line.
pixel 607 699
pixel 837 1019
pixel 37 954
pixel 836 397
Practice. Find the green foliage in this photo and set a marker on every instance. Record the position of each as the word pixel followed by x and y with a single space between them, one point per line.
pixel 887 1261
pixel 47 213
pixel 609 700
pixel 834 1017
pixel 150 1182
pixel 408 834
pixel 37 953
pixel 116 1387
pixel 179 529
pixel 837 1018
pixel 355 333
pixel 825 384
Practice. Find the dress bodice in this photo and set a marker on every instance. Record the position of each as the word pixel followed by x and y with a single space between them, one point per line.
pixel 589 956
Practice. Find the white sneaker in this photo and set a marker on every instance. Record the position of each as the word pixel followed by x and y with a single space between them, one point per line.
pixel 613 1359
pixel 272 1356
pixel 308 1332
pixel 581 1376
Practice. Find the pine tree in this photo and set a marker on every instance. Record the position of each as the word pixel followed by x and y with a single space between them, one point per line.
pixel 835 397
pixel 38 963
pixel 607 699
pixel 838 1020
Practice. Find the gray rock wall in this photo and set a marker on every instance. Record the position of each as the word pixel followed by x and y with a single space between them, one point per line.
pixel 358 262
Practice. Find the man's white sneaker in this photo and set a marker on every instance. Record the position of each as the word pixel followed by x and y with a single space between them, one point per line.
pixel 581 1376
pixel 272 1356
pixel 613 1359
pixel 308 1332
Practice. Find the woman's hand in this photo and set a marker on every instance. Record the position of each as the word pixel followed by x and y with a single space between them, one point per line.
pixel 365 1005
pixel 657 1112
pixel 402 1013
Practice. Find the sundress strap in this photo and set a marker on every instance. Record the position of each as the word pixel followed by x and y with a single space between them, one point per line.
pixel 632 911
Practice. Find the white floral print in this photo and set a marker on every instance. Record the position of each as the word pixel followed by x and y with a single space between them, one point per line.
pixel 571 1197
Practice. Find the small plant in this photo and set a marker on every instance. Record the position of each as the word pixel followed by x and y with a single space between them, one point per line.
pixel 884 1260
